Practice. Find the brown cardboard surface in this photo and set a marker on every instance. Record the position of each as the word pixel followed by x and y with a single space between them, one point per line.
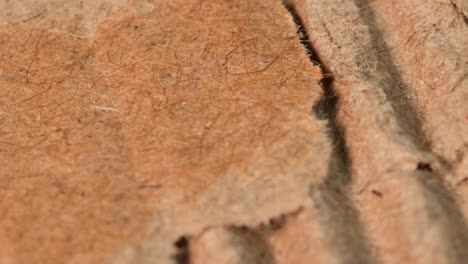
pixel 309 131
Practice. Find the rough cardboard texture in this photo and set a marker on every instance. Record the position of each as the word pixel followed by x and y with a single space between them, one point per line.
pixel 309 131
pixel 127 125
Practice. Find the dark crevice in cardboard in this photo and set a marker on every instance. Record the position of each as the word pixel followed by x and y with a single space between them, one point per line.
pixel 338 213
pixel 325 108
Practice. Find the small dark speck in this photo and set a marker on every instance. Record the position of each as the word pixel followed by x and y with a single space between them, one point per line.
pixel 377 193
pixel 423 166
pixel 135 27
pixel 244 228
pixel 182 242
pixel 276 223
